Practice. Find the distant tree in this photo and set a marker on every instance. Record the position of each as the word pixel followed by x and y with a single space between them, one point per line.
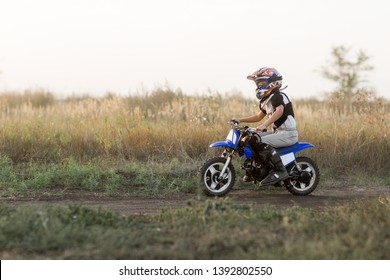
pixel 346 72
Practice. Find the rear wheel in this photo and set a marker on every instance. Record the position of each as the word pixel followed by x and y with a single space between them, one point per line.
pixel 209 177
pixel 304 176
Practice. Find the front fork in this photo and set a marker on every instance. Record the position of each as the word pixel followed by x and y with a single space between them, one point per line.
pixel 228 154
pixel 220 177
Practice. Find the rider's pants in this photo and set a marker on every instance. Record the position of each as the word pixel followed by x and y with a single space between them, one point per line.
pixel 280 138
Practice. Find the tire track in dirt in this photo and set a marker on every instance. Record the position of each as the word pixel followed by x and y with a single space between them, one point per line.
pixel 258 198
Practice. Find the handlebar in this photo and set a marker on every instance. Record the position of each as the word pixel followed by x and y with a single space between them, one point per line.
pixel 235 125
pixel 251 129
pixel 233 122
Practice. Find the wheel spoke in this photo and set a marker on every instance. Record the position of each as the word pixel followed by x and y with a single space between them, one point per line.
pixel 302 185
pixel 308 169
pixel 213 185
pixel 213 170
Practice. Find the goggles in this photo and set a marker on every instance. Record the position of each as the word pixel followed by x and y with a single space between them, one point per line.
pixel 261 84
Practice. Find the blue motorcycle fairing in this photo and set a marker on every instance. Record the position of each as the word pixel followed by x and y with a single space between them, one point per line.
pixel 299 146
pixel 248 152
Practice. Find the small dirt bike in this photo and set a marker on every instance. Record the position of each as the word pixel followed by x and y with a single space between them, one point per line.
pixel 218 174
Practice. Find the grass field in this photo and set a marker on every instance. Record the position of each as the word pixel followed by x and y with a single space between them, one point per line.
pixel 101 143
pixel 152 146
pixel 215 229
pixel 164 124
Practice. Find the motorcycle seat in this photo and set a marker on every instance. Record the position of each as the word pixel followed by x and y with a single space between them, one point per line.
pixel 294 148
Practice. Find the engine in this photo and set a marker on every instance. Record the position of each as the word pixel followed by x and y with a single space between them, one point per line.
pixel 255 170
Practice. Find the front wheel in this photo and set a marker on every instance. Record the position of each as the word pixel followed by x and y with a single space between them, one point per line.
pixel 304 176
pixel 209 177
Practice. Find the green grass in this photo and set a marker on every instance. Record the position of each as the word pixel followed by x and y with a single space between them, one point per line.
pixel 213 229
pixel 150 179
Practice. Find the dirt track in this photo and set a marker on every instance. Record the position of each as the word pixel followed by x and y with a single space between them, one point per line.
pixel 277 197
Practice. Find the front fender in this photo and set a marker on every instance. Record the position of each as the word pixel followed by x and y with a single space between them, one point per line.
pixel 225 144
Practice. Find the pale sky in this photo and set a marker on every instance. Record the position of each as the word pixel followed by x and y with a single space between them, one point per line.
pixel 96 46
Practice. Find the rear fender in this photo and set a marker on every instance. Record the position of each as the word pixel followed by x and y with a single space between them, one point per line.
pixel 294 148
pixel 287 154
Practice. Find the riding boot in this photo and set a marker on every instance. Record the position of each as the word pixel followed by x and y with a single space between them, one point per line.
pixel 246 179
pixel 278 170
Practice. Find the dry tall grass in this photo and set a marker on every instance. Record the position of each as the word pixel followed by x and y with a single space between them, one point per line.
pixel 165 124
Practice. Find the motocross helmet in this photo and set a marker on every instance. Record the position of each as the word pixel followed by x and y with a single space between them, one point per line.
pixel 267 79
